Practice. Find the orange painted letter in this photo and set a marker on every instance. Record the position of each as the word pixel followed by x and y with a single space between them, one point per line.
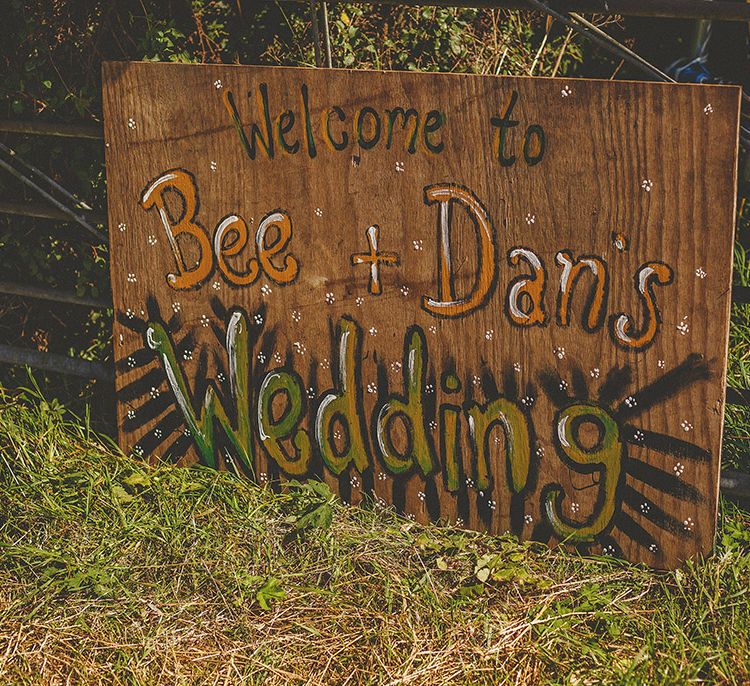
pixel 225 247
pixel 622 326
pixel 447 304
pixel 283 224
pixel 182 183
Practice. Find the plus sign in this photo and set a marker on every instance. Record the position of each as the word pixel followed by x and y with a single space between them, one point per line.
pixel 374 259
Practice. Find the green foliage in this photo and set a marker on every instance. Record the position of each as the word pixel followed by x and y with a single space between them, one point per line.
pixel 737 418
pixel 269 592
pixel 313 505
pixel 432 39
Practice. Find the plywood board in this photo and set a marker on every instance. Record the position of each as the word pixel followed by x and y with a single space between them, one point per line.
pixel 500 303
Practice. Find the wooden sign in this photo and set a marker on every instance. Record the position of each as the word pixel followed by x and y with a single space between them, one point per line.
pixel 499 303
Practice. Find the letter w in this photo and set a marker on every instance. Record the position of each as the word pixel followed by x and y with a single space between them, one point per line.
pixel 255 134
pixel 212 411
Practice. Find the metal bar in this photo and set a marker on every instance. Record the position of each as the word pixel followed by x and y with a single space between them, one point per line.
pixel 741 294
pixel 735 484
pixel 315 32
pixel 44 212
pixel 53 295
pixel 624 51
pixel 701 33
pixel 40 174
pixel 602 39
pixel 326 35
pixel 41 128
pixel 53 362
pixel 738 396
pixel 78 218
pixel 665 9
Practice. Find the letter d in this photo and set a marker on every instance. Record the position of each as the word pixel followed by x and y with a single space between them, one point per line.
pixel 344 404
pixel 410 408
pixel 447 304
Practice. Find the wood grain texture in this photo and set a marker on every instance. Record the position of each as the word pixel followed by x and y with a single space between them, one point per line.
pixel 516 320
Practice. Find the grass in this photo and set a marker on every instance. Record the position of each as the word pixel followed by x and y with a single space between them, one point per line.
pixel 119 573
pixel 735 454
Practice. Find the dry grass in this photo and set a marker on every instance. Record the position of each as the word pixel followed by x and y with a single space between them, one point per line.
pixel 113 572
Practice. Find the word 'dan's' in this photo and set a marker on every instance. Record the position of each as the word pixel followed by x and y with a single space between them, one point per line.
pixel 525 304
